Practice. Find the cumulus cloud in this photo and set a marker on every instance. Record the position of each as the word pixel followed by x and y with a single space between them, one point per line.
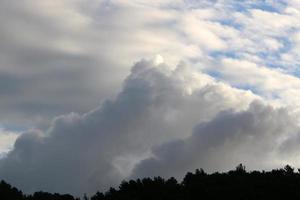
pixel 62 56
pixel 255 137
pixel 81 153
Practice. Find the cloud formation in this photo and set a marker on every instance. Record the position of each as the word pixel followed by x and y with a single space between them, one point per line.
pixel 254 137
pixel 166 120
pixel 235 100
pixel 64 56
pixel 81 153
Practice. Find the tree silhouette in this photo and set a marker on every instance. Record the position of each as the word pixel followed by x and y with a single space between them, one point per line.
pixel 9 192
pixel 239 184
pixel 289 170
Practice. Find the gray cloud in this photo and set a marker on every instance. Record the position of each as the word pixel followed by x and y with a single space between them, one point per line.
pixel 47 63
pixel 62 56
pixel 82 153
pixel 255 137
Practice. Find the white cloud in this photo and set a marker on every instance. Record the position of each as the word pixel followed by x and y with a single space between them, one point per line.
pixel 7 139
pixel 269 83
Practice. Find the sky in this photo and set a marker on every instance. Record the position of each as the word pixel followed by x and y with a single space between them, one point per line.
pixel 93 92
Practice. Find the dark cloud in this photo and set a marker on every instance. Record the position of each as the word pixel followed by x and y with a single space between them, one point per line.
pixel 83 153
pixel 254 137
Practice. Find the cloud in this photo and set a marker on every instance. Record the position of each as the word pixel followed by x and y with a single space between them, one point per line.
pixel 7 139
pixel 271 84
pixel 83 153
pixel 64 56
pixel 255 137
pixel 41 57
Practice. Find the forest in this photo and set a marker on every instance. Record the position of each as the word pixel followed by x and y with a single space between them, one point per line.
pixel 283 183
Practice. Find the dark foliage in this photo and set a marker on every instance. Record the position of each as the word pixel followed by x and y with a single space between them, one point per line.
pixel 236 184
pixel 9 192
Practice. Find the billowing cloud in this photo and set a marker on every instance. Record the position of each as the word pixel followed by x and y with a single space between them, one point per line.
pixel 235 100
pixel 255 137
pixel 80 153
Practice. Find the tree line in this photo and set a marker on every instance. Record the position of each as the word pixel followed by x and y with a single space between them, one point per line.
pixel 283 183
